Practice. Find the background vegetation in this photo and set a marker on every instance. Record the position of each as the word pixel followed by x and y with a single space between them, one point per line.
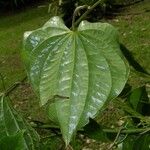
pixel 133 25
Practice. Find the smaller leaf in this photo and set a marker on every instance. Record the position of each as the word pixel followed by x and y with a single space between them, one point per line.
pixel 94 131
pixel 139 100
pixel 15 142
pixel 12 123
pixel 142 143
pixel 128 143
pixel 135 142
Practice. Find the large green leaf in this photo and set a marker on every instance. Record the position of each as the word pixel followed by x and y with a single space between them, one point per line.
pixel 11 123
pixel 74 72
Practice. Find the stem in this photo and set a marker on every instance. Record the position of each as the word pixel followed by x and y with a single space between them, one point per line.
pixel 132 112
pixel 112 145
pixel 123 131
pixel 13 87
pixel 77 10
pixel 127 131
pixel 69 147
pixel 73 141
pixel 88 11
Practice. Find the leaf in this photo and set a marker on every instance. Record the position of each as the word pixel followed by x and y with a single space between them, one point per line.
pixel 15 142
pixel 11 123
pixel 138 142
pixel 74 72
pixel 139 100
pixel 38 36
pixel 126 91
pixel 128 143
pixel 142 143
pixel 95 131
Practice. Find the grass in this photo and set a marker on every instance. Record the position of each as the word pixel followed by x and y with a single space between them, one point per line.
pixel 133 25
pixel 12 28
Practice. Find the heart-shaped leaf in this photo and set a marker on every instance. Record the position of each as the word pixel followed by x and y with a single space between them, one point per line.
pixel 11 123
pixel 77 72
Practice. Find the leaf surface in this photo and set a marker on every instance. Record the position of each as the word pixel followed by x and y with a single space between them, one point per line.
pixel 74 72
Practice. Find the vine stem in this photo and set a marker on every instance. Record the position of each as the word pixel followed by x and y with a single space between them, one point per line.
pixel 112 145
pixel 132 112
pixel 77 10
pixel 90 8
pixel 123 131
pixel 12 87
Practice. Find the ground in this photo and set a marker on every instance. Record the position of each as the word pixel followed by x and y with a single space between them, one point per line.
pixel 132 24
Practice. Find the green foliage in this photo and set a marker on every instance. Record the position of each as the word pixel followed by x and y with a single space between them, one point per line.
pixel 52 143
pixel 13 129
pixel 106 7
pixel 139 142
pixel 95 131
pixel 140 103
pixel 139 100
pixel 15 142
pixel 73 72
